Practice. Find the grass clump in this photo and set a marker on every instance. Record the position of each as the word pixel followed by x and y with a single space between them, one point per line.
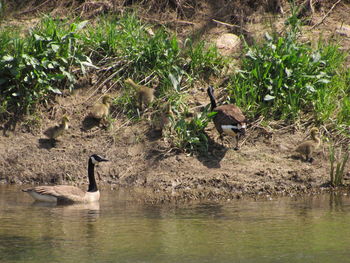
pixel 282 78
pixel 338 163
pixel 158 57
pixel 33 67
pixel 188 133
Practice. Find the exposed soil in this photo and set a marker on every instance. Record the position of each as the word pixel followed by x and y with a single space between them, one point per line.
pixel 141 159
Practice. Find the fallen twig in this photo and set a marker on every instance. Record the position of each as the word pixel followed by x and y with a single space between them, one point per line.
pixel 34 8
pixel 327 14
pixel 229 25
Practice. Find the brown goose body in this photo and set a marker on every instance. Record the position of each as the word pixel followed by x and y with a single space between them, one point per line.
pixel 145 95
pixel 62 194
pixel 229 119
pixel 54 132
pixel 68 193
pixel 306 148
pixel 101 110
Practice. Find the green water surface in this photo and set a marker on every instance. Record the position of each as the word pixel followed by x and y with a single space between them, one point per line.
pixel 118 229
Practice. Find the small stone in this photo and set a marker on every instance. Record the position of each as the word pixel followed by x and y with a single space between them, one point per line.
pixel 228 44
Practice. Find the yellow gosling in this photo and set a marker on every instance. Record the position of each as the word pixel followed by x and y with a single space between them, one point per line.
pixel 145 95
pixel 54 132
pixel 306 148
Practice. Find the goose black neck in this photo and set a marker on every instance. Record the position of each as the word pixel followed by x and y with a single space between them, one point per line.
pixel 212 98
pixel 91 174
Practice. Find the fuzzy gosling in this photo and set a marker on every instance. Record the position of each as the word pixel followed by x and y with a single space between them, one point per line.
pixel 163 119
pixel 145 94
pixel 101 110
pixel 54 132
pixel 306 148
pixel 229 118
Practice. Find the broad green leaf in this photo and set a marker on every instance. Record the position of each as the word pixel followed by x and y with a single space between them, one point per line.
pixel 7 58
pixel 269 97
pixel 81 25
pixel 288 72
pixel 55 47
pixel 55 90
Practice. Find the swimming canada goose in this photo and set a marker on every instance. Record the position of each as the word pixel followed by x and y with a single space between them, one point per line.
pixel 101 110
pixel 229 118
pixel 68 193
pixel 145 95
pixel 53 132
pixel 308 147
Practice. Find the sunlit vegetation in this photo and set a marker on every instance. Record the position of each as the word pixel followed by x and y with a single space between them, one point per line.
pixel 39 64
pixel 338 162
pixel 280 78
pixel 283 78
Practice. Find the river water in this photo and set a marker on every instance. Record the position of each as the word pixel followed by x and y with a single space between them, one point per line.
pixel 119 229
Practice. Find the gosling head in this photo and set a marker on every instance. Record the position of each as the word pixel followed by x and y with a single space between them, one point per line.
pixel 95 158
pixel 65 119
pixel 106 99
pixel 314 131
pixel 128 80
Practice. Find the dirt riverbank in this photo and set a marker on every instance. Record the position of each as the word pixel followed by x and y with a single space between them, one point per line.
pixel 140 158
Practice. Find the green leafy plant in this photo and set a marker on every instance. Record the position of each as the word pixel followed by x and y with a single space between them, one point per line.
pixel 189 134
pixel 40 64
pixel 283 77
pixel 338 163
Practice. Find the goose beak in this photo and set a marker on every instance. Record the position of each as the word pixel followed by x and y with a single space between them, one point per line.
pixel 104 160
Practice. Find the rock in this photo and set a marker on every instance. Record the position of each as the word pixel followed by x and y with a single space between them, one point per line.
pixel 343 30
pixel 228 44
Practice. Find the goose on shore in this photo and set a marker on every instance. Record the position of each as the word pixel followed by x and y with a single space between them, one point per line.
pixel 228 119
pixel 68 193
pixel 306 148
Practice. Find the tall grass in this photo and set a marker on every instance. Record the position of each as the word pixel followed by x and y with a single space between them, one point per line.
pixel 144 53
pixel 144 56
pixel 283 78
pixel 33 67
pixel 338 162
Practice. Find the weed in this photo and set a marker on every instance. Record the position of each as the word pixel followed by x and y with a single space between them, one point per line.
pixel 38 65
pixel 189 134
pixel 282 78
pixel 337 166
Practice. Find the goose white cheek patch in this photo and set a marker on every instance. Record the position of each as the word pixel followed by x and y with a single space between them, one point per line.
pixel 93 160
pixel 235 127
pixel 229 127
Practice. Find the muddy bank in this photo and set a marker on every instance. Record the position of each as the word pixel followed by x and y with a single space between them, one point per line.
pixel 140 159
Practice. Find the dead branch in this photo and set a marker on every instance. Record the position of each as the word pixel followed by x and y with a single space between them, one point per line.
pixel 230 25
pixel 326 15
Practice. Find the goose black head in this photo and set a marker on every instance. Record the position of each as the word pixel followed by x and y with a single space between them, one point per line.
pixel 97 158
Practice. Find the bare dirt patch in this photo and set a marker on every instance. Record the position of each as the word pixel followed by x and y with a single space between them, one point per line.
pixel 140 159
